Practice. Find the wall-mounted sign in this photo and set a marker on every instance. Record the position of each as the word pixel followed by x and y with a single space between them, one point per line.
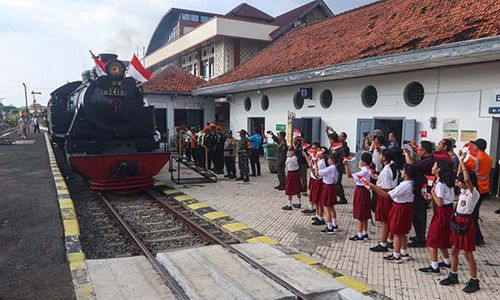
pixel 498 98
pixel 450 128
pixel 280 127
pixel 423 134
pixel 494 110
pixel 468 135
pixel 306 93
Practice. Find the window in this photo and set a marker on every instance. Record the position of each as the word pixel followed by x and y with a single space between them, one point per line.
pixel 195 69
pixel 369 96
pixel 195 18
pixel 326 98
pixel 204 18
pixel 298 101
pixel 247 103
pixel 264 102
pixel 208 68
pixel 414 94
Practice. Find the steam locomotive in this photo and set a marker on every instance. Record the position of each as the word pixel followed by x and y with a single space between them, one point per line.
pixel 106 130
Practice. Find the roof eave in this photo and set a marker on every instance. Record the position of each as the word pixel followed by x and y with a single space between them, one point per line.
pixel 473 51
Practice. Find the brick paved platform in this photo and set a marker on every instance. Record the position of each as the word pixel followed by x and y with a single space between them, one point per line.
pixel 258 205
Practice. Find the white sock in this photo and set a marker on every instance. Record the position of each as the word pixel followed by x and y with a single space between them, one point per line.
pixel 389 240
pixel 321 218
pixel 289 202
pixel 396 254
pixel 330 226
pixel 360 234
pixel 383 244
pixel 334 222
pixel 311 207
pixel 404 251
pixel 299 200
pixel 447 261
pixel 365 233
pixel 435 265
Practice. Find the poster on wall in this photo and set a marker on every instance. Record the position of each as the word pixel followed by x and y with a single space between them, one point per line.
pixel 291 116
pixel 450 128
pixel 468 135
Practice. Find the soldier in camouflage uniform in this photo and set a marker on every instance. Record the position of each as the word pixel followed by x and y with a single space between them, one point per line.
pixel 243 155
pixel 280 140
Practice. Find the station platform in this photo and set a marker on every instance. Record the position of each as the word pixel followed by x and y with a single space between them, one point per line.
pixel 256 215
pixel 32 260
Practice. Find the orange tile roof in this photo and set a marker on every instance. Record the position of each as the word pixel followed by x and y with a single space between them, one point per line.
pixel 172 80
pixel 382 28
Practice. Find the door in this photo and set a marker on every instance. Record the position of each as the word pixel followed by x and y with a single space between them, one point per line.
pixel 256 124
pixel 309 127
pixel 364 126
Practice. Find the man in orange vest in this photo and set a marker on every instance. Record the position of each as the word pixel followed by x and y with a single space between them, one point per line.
pixel 481 164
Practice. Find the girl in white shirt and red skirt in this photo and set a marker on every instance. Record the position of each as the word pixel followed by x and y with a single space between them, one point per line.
pixel 293 185
pixel 442 195
pixel 315 185
pixel 401 213
pixel 362 199
pixel 328 198
pixel 463 237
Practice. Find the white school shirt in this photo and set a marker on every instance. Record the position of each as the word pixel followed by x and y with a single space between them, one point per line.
pixel 292 163
pixel 467 201
pixel 385 178
pixel 329 174
pixel 403 193
pixel 444 192
pixel 364 172
pixel 321 165
pixel 376 158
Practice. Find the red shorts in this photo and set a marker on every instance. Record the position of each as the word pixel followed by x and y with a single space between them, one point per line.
pixel 292 184
pixel 383 209
pixel 315 190
pixel 439 229
pixel 328 195
pixel 400 218
pixel 466 242
pixel 361 204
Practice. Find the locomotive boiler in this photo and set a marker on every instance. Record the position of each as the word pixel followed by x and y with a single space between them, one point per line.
pixel 106 130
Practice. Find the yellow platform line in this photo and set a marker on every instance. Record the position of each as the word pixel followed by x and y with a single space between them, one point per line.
pixel 353 283
pixel 305 259
pixel 170 192
pixel 198 205
pixel 214 215
pixel 183 198
pixel 233 227
pixel 262 239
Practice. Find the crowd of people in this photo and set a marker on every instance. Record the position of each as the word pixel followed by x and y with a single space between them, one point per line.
pixel 24 126
pixel 399 185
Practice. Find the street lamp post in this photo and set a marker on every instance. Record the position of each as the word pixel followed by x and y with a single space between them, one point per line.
pixel 26 99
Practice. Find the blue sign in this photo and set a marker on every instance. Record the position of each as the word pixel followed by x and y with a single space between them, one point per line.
pixel 494 110
pixel 306 93
pixel 498 98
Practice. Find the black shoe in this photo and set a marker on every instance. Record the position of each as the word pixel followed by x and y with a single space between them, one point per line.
pixel 328 231
pixel 342 201
pixel 405 256
pixel 356 238
pixel 314 218
pixel 297 205
pixel 390 245
pixel 365 236
pixel 279 188
pixel 227 175
pixel 308 211
pixel 472 286
pixel 258 174
pixel 336 228
pixel 318 222
pixel 239 178
pixel 451 279
pixel 392 258
pixel 480 243
pixel 246 179
pixel 416 244
pixel 379 248
pixel 232 177
pixel 253 175
pixel 497 211
pixel 429 269
pixel 412 238
pixel 304 194
pixel 286 207
pixel 442 264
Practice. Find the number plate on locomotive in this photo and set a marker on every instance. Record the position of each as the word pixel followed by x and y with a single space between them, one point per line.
pixel 115 91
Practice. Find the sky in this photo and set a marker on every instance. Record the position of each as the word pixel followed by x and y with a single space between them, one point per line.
pixel 45 43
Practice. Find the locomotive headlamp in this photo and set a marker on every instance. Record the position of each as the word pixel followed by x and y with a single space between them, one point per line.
pixel 115 68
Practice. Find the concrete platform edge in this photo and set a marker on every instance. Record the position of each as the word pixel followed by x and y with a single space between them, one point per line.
pixel 74 254
pixel 245 234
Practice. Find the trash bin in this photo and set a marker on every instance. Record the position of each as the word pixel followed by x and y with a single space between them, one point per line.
pixel 272 162
pixel 269 150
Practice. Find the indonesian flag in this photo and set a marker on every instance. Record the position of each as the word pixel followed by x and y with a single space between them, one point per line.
pixel 137 71
pixel 100 66
pixel 296 133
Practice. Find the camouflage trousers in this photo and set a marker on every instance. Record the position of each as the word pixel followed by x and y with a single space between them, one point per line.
pixel 243 163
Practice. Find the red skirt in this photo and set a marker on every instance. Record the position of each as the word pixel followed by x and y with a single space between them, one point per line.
pixel 466 242
pixel 400 218
pixel 315 190
pixel 439 229
pixel 328 195
pixel 361 204
pixel 292 184
pixel 383 209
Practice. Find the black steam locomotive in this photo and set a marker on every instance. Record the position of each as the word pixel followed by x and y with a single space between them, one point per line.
pixel 106 130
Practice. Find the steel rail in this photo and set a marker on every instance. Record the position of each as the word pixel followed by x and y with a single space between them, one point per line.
pixel 176 289
pixel 228 247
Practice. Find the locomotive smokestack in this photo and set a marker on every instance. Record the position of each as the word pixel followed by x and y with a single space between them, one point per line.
pixel 85 75
pixel 105 57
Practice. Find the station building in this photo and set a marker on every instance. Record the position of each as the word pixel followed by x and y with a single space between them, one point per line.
pixel 421 69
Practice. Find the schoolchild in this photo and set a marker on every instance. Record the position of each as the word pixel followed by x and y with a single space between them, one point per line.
pixel 463 236
pixel 438 236
pixel 329 177
pixel 386 180
pixel 309 154
pixel 361 202
pixel 293 186
pixel 401 213
pixel 316 187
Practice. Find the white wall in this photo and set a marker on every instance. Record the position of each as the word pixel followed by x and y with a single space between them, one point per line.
pixel 465 92
pixel 181 102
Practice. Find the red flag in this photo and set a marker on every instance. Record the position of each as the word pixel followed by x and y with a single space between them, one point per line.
pixel 100 66
pixel 137 71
